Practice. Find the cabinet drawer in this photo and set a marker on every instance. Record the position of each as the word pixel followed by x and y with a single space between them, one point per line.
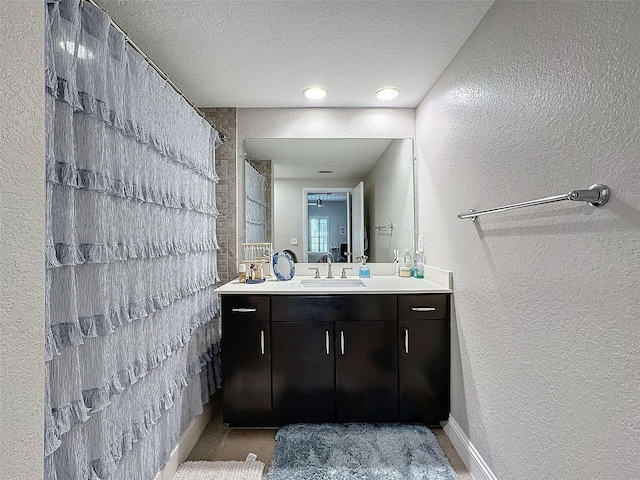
pixel 344 308
pixel 245 308
pixel 423 307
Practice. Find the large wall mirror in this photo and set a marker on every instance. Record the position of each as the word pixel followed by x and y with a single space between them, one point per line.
pixel 341 197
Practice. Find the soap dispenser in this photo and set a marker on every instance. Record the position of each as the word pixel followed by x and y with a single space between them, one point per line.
pixel 365 271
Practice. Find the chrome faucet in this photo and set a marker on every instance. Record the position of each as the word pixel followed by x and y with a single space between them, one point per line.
pixel 330 269
pixel 396 261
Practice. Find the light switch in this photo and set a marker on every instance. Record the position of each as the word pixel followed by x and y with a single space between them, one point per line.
pixel 293 241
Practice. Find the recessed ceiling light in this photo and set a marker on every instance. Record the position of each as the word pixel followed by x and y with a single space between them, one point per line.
pixel 387 93
pixel 315 93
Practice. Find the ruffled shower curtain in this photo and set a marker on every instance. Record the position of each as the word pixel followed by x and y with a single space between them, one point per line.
pixel 255 205
pixel 132 319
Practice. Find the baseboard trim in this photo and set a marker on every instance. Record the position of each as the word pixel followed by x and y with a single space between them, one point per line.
pixel 186 443
pixel 478 468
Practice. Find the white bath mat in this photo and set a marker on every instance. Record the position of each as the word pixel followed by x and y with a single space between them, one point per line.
pixel 250 469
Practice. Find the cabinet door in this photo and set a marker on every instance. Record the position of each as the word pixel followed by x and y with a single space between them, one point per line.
pixel 303 372
pixel 423 371
pixel 246 365
pixel 366 371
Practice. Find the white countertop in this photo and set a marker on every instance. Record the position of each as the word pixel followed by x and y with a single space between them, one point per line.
pixel 435 281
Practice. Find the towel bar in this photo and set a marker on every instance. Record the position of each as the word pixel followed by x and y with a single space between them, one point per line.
pixel 597 195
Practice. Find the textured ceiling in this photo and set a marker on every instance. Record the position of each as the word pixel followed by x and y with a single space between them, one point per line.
pixel 243 53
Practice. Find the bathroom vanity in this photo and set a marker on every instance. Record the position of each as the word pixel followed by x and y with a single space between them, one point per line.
pixel 324 352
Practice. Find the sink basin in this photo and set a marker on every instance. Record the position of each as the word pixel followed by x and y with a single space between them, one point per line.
pixel 332 283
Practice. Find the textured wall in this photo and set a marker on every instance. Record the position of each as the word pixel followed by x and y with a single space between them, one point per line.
pixel 224 121
pixel 542 99
pixel 21 239
pixel 389 198
pixel 324 123
pixel 317 123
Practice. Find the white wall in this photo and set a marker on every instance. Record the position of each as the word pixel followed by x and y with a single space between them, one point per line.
pixel 315 123
pixel 389 198
pixel 542 99
pixel 22 239
pixel 289 206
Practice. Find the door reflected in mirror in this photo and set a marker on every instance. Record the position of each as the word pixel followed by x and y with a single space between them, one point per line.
pixel 334 224
pixel 369 180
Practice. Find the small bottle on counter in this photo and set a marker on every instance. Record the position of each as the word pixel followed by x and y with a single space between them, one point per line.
pixel 418 264
pixel 364 271
pixel 255 271
pixel 242 273
pixel 406 268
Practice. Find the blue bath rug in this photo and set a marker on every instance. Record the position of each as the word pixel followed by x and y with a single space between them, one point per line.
pixel 358 451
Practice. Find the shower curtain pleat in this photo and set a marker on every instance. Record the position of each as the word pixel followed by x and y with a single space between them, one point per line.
pixel 255 205
pixel 132 342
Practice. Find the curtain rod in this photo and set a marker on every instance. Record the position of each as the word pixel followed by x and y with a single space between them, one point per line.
pixel 164 76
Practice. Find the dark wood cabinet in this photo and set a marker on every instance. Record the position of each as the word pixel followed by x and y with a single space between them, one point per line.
pixel 344 358
pixel 423 358
pixel 423 371
pixel 333 308
pixel 366 372
pixel 246 334
pixel 303 372
pixel 315 377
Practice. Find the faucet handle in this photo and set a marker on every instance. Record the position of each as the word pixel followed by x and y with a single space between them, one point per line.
pixel 344 272
pixel 317 274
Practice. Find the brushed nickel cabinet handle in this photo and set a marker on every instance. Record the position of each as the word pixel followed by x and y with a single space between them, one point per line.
pixel 244 310
pixel 406 340
pixel 342 342
pixel 423 309
pixel 326 341
pixel 262 342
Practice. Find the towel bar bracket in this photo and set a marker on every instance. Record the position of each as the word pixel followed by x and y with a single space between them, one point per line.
pixel 596 196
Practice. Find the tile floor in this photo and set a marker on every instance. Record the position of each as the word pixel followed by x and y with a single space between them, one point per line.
pixel 219 442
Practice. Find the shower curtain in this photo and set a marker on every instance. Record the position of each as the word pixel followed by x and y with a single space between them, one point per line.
pixel 255 204
pixel 132 318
